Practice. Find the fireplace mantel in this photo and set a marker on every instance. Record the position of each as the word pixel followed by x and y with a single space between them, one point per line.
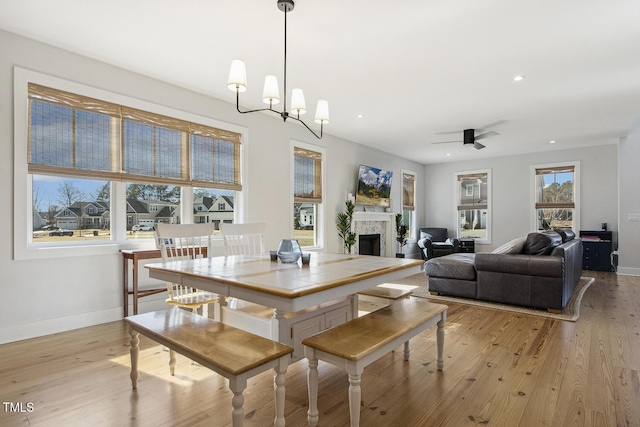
pixel 375 222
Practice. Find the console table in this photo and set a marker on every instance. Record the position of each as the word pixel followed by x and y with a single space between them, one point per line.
pixel 596 250
pixel 135 256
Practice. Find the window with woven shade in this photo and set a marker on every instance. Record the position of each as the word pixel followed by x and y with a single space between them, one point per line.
pixel 84 145
pixel 555 196
pixel 307 194
pixel 408 200
pixel 473 191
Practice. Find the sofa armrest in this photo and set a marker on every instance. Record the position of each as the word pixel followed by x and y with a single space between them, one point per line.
pixel 528 265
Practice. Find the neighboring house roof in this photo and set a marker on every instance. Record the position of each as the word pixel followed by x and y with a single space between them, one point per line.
pixel 166 212
pixel 205 201
pixel 135 205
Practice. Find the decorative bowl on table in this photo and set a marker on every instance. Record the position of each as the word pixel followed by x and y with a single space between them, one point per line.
pixel 289 251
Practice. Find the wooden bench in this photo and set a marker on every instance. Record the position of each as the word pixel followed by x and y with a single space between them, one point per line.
pixel 233 353
pixel 361 341
pixel 385 294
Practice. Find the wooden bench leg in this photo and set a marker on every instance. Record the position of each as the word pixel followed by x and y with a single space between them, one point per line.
pixel 237 386
pixel 440 345
pixel 312 386
pixel 134 351
pixel 172 362
pixel 279 388
pixel 355 395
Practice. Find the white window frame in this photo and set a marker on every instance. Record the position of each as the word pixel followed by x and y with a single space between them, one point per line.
pixel 23 206
pixel 487 240
pixel 576 192
pixel 320 211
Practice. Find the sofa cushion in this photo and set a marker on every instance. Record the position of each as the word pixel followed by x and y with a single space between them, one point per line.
pixel 566 234
pixel 541 243
pixel 513 247
pixel 455 266
pixel 434 234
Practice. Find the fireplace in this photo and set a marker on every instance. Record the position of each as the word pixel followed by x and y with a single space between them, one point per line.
pixel 369 244
pixel 380 223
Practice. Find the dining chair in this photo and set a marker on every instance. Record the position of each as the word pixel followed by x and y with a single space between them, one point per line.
pixel 243 239
pixel 186 241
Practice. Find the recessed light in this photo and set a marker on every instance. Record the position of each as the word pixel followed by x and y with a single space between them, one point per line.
pixel 518 78
pixel 552 141
pixel 360 116
pixel 448 154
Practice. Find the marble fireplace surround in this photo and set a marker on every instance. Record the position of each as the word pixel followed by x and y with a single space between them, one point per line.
pixel 382 223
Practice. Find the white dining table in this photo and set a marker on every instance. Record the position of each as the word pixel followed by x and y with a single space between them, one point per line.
pixel 304 299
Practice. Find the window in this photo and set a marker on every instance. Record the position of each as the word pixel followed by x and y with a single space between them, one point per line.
pixel 555 196
pixel 408 199
pixel 99 150
pixel 473 202
pixel 307 194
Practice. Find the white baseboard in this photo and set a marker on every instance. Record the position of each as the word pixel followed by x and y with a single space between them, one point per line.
pixel 41 328
pixel 628 271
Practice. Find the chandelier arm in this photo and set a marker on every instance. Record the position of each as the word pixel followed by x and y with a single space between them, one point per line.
pixel 284 105
pixel 308 128
pixel 251 111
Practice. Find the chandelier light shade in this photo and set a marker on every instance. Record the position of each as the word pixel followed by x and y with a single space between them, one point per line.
pixel 322 112
pixel 237 76
pixel 271 94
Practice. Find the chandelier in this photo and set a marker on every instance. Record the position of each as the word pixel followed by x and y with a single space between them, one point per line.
pixel 271 95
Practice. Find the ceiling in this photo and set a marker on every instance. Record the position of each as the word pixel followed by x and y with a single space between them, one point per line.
pixel 414 69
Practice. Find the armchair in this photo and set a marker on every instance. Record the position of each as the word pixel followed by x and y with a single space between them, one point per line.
pixel 434 242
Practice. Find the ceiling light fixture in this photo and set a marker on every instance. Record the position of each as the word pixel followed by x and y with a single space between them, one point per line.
pixel 238 83
pixel 518 78
pixel 552 142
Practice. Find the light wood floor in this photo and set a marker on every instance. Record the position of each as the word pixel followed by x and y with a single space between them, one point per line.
pixel 501 369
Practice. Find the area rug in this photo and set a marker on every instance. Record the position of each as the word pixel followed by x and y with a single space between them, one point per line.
pixel 571 312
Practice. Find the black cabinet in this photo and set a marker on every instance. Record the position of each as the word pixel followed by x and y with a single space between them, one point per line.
pixel 596 250
pixel 467 246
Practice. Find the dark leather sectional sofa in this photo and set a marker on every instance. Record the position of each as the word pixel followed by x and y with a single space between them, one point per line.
pixel 538 271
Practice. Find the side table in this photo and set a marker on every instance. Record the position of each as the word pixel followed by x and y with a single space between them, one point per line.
pixel 467 246
pixel 135 256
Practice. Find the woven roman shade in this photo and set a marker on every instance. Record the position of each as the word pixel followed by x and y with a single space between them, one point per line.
pixel 307 176
pixel 78 136
pixel 559 200
pixel 475 201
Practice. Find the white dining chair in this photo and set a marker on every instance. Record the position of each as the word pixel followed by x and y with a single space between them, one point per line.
pixel 243 239
pixel 186 241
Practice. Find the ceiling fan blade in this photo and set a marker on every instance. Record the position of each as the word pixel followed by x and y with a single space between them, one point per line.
pixel 486 135
pixel 478 146
pixel 444 142
pixel 491 125
pixel 447 133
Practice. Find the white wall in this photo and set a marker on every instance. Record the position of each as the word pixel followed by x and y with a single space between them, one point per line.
pixel 629 179
pixel 511 191
pixel 49 295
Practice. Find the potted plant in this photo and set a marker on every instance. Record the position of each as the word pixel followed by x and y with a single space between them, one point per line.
pixel 343 223
pixel 401 234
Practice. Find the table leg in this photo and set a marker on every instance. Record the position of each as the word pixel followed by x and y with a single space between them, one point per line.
pixel 126 287
pixel 440 345
pixel 135 349
pixel 312 386
pixel 135 285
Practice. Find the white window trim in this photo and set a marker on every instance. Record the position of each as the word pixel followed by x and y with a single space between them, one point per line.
pixel 576 192
pixel 486 241
pixel 23 207
pixel 412 226
pixel 320 217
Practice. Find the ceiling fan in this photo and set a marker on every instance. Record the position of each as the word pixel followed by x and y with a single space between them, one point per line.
pixel 469 137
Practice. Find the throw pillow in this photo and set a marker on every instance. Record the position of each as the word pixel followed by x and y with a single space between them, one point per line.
pixel 512 247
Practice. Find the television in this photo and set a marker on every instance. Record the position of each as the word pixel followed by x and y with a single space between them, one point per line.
pixel 374 187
